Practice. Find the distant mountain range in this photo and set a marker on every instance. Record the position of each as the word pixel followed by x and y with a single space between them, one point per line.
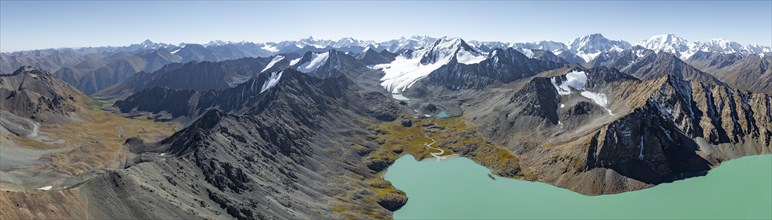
pixel 95 68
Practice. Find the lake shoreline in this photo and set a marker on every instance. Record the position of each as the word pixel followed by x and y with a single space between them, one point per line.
pixel 475 195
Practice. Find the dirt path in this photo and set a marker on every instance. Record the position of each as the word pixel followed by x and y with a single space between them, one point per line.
pixel 437 155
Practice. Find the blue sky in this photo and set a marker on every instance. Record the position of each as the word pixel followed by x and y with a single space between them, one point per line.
pixel 28 25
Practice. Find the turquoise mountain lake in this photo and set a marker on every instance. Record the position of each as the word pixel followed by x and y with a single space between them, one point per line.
pixel 459 188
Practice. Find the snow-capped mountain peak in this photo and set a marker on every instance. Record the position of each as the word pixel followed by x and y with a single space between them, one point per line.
pixel 310 61
pixel 147 43
pixel 666 42
pixel 446 49
pixel 405 70
pixel 351 42
pixel 669 43
pixel 590 46
pixel 410 43
pixel 684 49
pixel 551 46
pixel 716 45
pixel 217 43
pixel 725 46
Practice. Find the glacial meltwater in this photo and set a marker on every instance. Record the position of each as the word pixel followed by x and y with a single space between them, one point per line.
pixel 459 188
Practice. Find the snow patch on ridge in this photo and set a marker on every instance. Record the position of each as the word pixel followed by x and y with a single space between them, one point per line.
pixel 295 61
pixel 575 79
pixel 587 57
pixel 316 61
pixel 598 98
pixel 271 82
pixel 466 57
pixel 527 52
pixel 275 60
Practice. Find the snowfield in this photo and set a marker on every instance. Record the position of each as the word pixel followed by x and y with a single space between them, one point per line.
pixel 403 72
pixel 577 80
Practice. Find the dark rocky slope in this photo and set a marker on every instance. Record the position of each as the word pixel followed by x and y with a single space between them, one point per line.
pixel 197 76
pixel 95 75
pixel 371 57
pixel 33 93
pixel 50 59
pixel 751 72
pixel 502 66
pixel 647 64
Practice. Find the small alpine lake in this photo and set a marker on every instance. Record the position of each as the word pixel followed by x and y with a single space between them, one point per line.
pixel 459 188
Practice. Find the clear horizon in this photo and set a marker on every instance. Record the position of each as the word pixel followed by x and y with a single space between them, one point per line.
pixel 76 24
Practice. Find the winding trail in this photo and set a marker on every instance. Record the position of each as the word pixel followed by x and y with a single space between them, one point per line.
pixel 437 155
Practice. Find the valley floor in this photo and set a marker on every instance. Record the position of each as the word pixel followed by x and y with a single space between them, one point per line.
pixel 65 154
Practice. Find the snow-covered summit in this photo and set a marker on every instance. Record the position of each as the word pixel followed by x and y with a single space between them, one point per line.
pixel 669 43
pixel 446 49
pixel 351 42
pixel 411 43
pixel 590 46
pixel 719 45
pixel 310 62
pixel 148 44
pixel 685 49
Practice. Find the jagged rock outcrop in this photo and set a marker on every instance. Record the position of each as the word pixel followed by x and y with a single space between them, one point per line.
pixel 547 55
pixel 331 63
pixel 371 57
pixel 669 64
pixel 502 66
pixel 393 200
pixel 647 64
pixel 257 95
